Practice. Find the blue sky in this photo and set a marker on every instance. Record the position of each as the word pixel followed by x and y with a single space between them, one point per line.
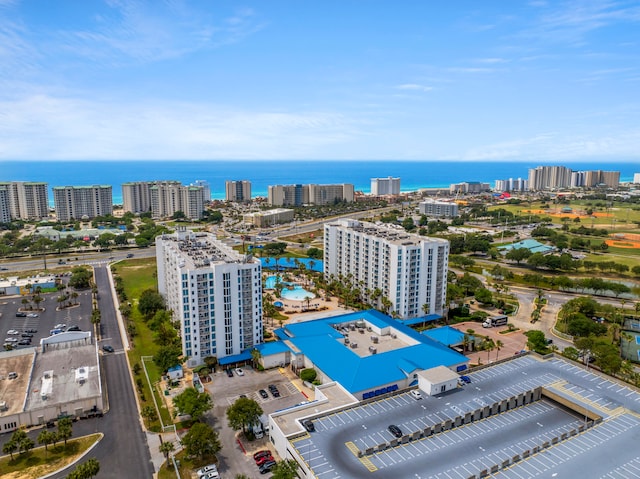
pixel 407 79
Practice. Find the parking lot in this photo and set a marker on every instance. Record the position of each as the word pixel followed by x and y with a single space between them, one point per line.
pixel 42 322
pixel 466 450
pixel 236 459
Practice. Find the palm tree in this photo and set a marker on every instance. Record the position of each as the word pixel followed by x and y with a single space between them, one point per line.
pixel 489 345
pixel 256 355
pixel 499 344
pixel 166 448
pixel 10 447
pixel 149 414
pixel 46 438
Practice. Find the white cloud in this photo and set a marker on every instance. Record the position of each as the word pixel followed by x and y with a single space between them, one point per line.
pixel 69 128
pixel 414 87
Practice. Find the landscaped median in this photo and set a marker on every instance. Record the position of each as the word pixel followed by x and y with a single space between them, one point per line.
pixel 40 462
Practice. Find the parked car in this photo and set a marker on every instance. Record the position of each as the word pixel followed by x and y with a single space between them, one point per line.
pixel 130 255
pixel 60 326
pixel 207 469
pixel 263 394
pixel 74 328
pixel 32 315
pixel 465 379
pixel 416 394
pixel 107 348
pixel 24 342
pixel 10 340
pixel 267 466
pixel 261 460
pixel 20 314
pixel 13 332
pixel 229 372
pixel 263 453
pixel 31 331
pixel 27 335
pixel 308 425
pixel 395 430
pixel 239 372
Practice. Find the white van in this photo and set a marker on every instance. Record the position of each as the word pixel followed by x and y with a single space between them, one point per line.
pixel 416 394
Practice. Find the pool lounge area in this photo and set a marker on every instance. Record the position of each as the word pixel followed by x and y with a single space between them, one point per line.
pixel 290 291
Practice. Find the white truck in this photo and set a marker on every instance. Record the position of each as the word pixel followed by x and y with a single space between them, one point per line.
pixel 493 321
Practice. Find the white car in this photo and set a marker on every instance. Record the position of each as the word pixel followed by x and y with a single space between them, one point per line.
pixel 207 470
pixel 11 340
pixel 239 372
pixel 32 315
pixel 60 326
pixel 13 332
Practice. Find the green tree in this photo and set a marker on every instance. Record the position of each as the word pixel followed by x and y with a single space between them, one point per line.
pixel 80 278
pixel 518 254
pixel 286 469
pixel 166 448
pixel 243 413
pixel 256 356
pixel 65 429
pixel 201 441
pixel 536 341
pixel 46 437
pixel 150 301
pixel 308 375
pixel 10 447
pixel 149 414
pixel 484 296
pixel 167 356
pixel 193 403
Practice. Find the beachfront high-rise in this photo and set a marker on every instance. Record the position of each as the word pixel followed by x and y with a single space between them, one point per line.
pixel 409 270
pixel 82 202
pixel 237 191
pixel 385 186
pixel 298 195
pixel 214 292
pixel 164 198
pixel 558 177
pixel 25 200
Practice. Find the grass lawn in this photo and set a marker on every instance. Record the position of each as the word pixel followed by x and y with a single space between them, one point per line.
pixel 38 462
pixel 187 466
pixel 138 275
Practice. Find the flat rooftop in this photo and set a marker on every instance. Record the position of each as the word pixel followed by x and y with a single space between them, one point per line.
pixel 73 374
pixel 335 397
pixel 605 449
pixel 198 250
pixel 13 391
pixel 390 234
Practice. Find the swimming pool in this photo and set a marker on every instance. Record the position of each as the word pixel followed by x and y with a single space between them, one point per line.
pixel 298 293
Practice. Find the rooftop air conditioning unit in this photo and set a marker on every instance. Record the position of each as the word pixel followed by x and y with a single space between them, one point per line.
pixel 353 345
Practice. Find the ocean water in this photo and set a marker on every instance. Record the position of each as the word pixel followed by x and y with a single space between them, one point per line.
pixel 262 173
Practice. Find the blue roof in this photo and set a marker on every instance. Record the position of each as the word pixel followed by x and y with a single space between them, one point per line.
pixel 445 335
pixel 530 244
pixel 236 358
pixel 423 319
pixel 272 347
pixel 321 343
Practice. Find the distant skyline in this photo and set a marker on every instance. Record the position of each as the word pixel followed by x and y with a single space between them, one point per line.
pixel 527 81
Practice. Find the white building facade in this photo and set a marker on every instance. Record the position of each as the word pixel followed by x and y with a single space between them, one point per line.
pixel 298 195
pixel 385 186
pixel 214 292
pixel 407 269
pixel 440 209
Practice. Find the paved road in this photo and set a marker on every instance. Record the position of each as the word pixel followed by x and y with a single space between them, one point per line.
pixel 123 452
pixel 93 258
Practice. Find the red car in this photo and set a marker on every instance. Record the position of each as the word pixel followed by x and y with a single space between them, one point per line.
pixel 263 460
pixel 260 454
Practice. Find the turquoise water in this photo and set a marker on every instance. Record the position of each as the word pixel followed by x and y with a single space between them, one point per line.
pixel 298 293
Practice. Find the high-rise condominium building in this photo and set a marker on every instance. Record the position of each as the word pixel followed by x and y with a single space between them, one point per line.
pixel 206 189
pixel 237 191
pixel 636 178
pixel 5 210
pixel 298 195
pixel 407 272
pixel 214 292
pixel 167 198
pixel 385 186
pixel 549 178
pixel 511 185
pixel 78 202
pixel 25 200
pixel 469 187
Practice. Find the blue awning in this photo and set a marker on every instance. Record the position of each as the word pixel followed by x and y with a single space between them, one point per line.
pixel 236 358
pixel 420 320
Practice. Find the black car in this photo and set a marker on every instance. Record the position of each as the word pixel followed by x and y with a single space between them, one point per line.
pixel 263 394
pixel 27 335
pixel 107 348
pixel 395 430
pixel 229 372
pixel 20 314
pixel 73 328
pixel 24 342
pixel 267 466
pixel 308 425
pixel 31 331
